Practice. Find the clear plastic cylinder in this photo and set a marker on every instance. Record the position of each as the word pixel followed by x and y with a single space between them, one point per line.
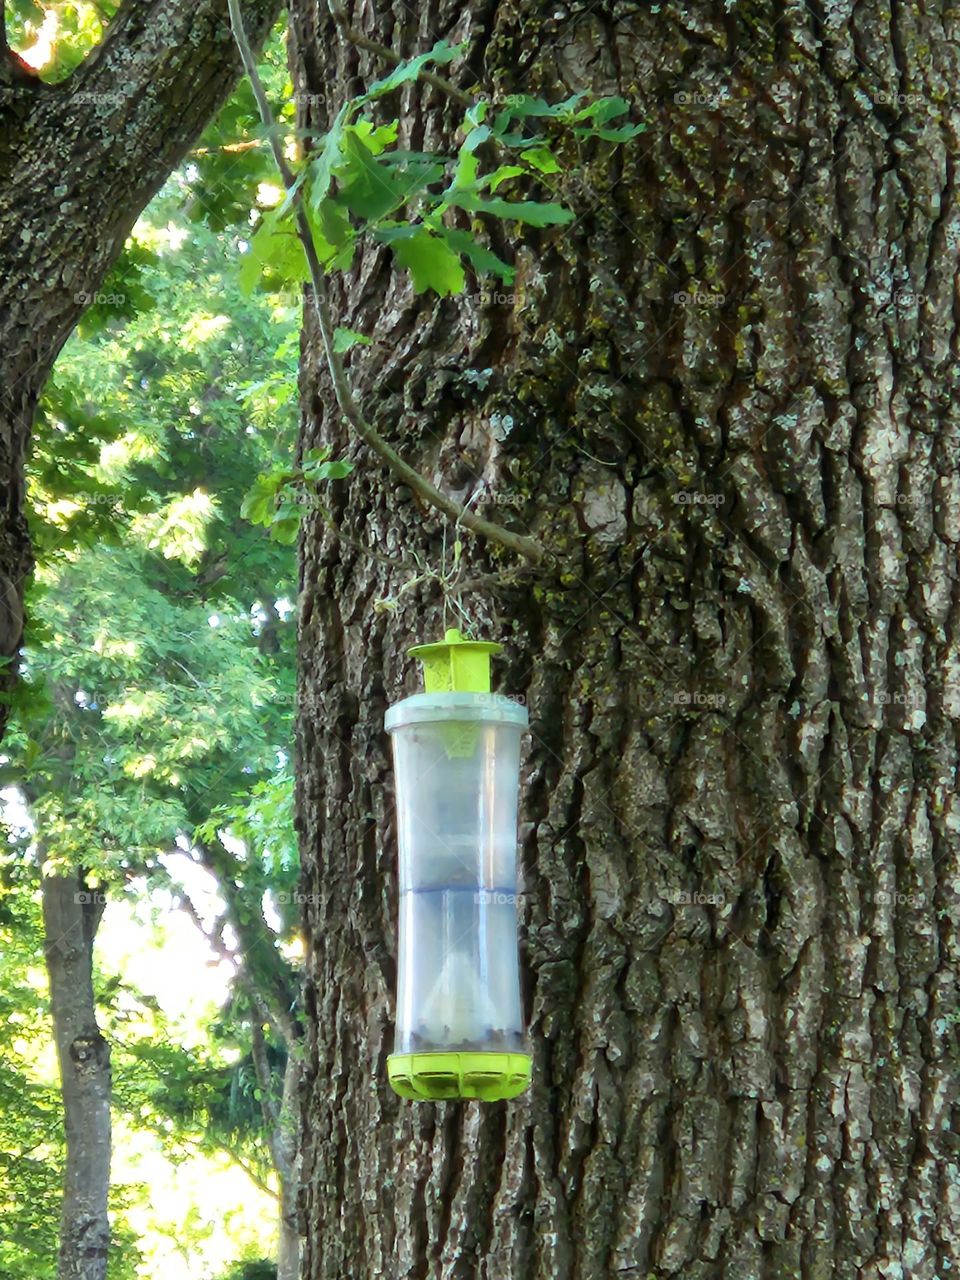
pixel 457 767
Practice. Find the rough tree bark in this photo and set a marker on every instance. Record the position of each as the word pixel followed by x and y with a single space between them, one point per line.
pixel 78 162
pixel 71 916
pixel 726 399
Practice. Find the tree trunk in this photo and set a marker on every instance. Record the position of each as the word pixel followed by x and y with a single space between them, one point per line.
pixel 285 1161
pixel 71 914
pixel 726 401
pixel 280 1122
pixel 79 160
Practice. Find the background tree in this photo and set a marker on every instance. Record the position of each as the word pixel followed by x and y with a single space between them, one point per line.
pixel 31 1127
pixel 724 399
pixel 153 696
pixel 81 153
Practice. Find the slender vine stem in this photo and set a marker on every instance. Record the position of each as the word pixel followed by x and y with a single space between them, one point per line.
pixel 519 544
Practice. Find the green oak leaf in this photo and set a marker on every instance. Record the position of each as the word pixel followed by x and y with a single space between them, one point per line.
pixel 344 339
pixel 429 259
pixel 483 260
pixel 275 249
pixel 438 56
pixel 531 212
pixel 542 159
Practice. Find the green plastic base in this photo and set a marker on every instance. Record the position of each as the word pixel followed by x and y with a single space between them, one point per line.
pixel 435 1077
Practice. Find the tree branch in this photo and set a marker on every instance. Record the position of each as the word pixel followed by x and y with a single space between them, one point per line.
pixel 265 974
pixel 261 1066
pixel 254 1177
pixel 203 1146
pixel 216 943
pixel 527 547
pixel 86 154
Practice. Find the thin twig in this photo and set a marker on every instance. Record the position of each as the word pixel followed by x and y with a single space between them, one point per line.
pixel 527 547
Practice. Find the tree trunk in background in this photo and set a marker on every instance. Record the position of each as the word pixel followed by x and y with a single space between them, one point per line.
pixel 285 1162
pixel 71 915
pixel 79 160
pixel 280 1123
pixel 727 401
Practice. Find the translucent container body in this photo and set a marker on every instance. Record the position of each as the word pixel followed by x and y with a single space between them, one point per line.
pixel 457 762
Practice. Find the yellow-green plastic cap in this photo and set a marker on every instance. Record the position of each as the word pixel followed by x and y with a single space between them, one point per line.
pixel 455 665
pixel 439 1077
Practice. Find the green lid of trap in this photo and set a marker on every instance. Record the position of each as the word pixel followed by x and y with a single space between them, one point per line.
pixel 438 1077
pixel 455 665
